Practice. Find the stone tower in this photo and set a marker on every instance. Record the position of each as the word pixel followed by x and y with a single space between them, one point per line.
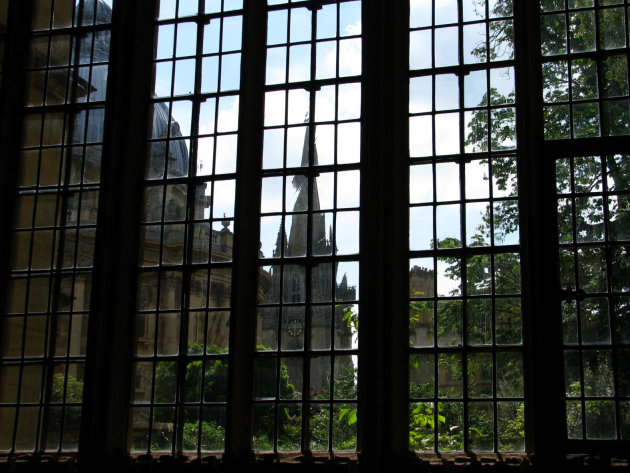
pixel 289 285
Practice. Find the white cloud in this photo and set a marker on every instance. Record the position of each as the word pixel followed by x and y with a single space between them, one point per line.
pixel 348 189
pixel 348 142
pixel 325 142
pixel 299 63
pixel 205 155
pixel 226 145
pixel 421 184
pixel 226 154
pixel 347 232
pixel 228 114
pixel 447 221
pixel 354 29
pixel 299 102
pixel 163 74
pixel 420 49
pixel 420 228
pixel 223 200
pixel 445 11
pixel 419 13
pixel 274 108
pixel 477 185
pixel 349 101
pixel 420 136
pixel 276 65
pixel 349 57
pixel 271 200
pixel 447 133
pixel 475 212
pixel 447 184
pixel 325 104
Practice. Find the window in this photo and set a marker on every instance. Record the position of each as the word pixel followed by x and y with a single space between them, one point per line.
pixel 46 322
pixel 585 94
pixel 466 361
pixel 186 243
pixel 309 223
pixel 198 223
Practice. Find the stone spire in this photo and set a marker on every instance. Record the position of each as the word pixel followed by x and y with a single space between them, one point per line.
pixel 296 245
pixel 280 243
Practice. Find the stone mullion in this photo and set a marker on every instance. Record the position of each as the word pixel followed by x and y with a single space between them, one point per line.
pixel 542 336
pixel 104 423
pixel 238 440
pixel 383 338
pixel 12 95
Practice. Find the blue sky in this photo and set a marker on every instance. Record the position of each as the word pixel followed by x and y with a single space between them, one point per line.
pixel 446 121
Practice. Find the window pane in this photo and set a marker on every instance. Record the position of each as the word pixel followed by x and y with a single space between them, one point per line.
pixel 465 324
pixel 45 321
pixel 592 258
pixel 183 302
pixel 595 75
pixel 307 318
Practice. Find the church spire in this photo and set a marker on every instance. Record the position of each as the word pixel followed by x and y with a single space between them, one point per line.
pixel 296 245
pixel 280 242
pixel 300 181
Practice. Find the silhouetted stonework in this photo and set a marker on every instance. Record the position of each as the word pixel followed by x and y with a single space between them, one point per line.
pixel 326 327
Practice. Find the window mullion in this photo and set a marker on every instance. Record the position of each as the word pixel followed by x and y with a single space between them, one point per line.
pixel 383 369
pixel 544 410
pixel 246 234
pixel 108 371
pixel 12 92
pixel 11 113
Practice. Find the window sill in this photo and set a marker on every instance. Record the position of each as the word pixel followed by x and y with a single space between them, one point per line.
pixel 297 462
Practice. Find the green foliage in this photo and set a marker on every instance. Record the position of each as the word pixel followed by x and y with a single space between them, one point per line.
pixel 212 436
pixel 512 429
pixel 207 378
pixel 580 219
pixel 351 319
pixel 73 388
pixel 69 416
pixel 350 413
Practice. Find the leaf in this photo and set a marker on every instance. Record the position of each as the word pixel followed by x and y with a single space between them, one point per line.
pixel 351 413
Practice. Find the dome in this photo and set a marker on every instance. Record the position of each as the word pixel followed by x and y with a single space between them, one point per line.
pixel 99 12
pixel 103 13
pixel 177 150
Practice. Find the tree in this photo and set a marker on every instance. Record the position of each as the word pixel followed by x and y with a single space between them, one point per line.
pixel 589 224
pixel 208 378
pixel 492 126
pixel 65 388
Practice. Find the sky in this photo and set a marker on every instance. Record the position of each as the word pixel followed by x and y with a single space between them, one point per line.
pixel 348 49
pixel 347 106
pixel 445 128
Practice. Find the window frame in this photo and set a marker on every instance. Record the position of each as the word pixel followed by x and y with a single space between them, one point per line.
pixel 383 370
